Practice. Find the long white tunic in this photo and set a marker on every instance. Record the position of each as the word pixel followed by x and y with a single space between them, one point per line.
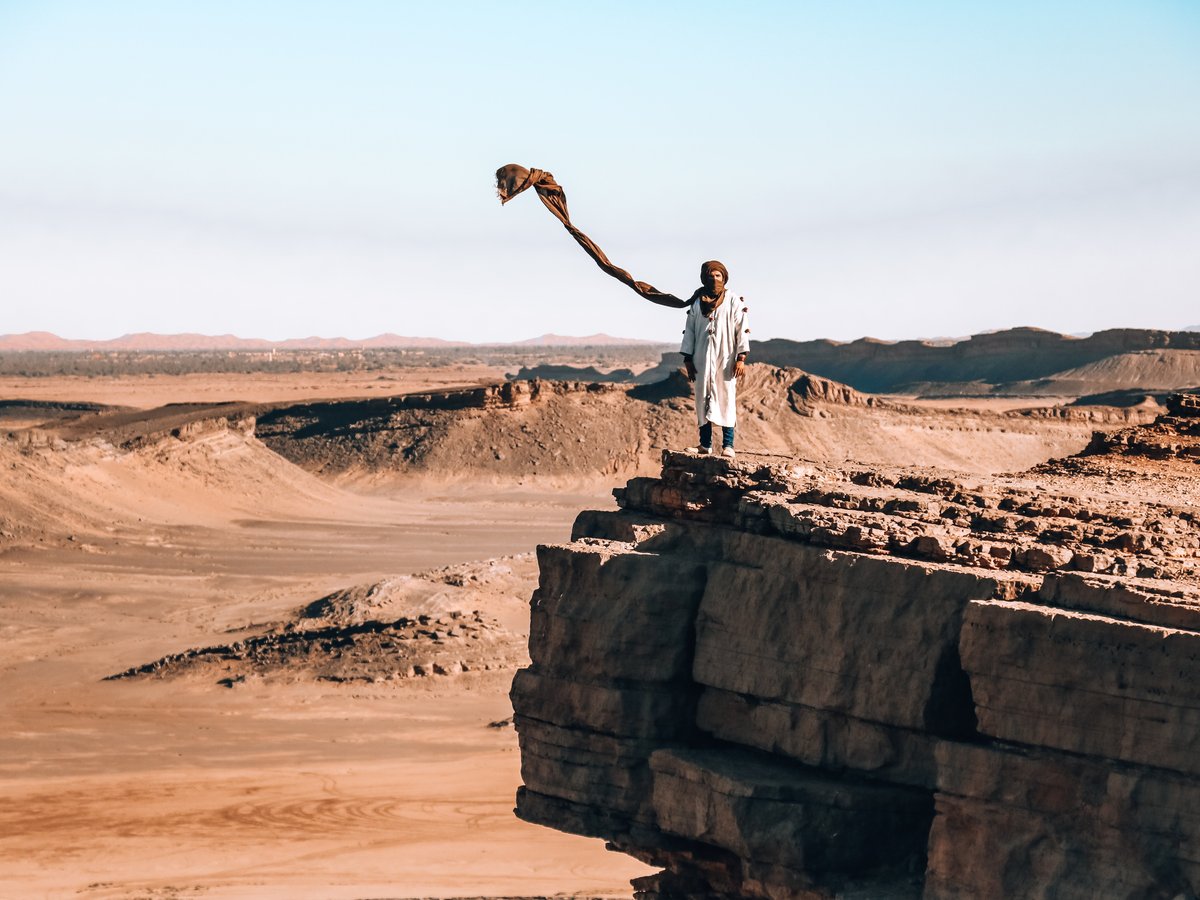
pixel 714 343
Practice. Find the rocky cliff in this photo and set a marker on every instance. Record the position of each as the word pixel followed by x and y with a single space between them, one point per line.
pixel 813 682
pixel 571 430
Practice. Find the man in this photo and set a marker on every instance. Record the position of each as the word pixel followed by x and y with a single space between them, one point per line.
pixel 715 344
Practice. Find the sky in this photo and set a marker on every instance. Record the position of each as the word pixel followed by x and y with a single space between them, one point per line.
pixel 898 170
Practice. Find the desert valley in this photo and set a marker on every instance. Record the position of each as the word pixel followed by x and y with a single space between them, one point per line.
pixel 261 620
pixel 620 451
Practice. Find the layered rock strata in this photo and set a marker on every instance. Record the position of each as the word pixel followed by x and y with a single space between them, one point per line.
pixel 1174 435
pixel 813 682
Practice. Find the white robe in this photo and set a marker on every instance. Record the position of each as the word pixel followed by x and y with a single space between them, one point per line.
pixel 714 343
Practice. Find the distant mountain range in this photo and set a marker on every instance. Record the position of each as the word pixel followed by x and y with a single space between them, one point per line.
pixel 564 340
pixel 44 340
pixel 1021 361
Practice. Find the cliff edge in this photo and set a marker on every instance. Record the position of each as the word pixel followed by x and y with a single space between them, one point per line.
pixel 807 681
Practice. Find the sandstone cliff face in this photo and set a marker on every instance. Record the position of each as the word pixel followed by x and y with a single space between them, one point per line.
pixel 798 681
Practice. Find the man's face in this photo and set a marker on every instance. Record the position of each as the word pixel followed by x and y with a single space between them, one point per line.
pixel 714 280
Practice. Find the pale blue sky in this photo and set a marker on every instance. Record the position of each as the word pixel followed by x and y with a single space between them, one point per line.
pixel 281 169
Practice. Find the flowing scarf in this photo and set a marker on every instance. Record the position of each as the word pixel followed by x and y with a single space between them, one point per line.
pixel 513 179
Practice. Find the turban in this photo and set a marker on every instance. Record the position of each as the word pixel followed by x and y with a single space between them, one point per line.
pixel 714 264
pixel 513 179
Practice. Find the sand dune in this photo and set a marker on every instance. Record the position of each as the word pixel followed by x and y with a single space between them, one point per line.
pixel 213 476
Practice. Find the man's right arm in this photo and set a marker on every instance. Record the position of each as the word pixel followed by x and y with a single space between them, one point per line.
pixel 688 347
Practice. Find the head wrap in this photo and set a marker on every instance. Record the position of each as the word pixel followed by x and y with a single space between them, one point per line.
pixel 714 264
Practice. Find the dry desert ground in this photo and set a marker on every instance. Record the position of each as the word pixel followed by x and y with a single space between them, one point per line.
pixel 314 664
pixel 287 783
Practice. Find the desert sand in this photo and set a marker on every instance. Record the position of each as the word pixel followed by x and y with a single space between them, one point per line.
pixel 282 786
pixel 149 390
pixel 267 742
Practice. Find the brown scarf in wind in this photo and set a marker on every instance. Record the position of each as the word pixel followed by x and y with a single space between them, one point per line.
pixel 512 179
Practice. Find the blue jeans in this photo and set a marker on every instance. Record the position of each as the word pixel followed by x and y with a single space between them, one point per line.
pixel 706 435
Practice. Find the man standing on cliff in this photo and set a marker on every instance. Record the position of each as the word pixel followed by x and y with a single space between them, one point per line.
pixel 716 341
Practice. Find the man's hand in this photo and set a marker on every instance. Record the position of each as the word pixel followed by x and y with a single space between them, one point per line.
pixel 739 369
pixel 690 368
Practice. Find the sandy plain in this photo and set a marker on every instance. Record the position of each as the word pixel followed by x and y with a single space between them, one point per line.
pixel 149 390
pixel 273 787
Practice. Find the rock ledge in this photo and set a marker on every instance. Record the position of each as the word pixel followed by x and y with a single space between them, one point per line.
pixel 813 682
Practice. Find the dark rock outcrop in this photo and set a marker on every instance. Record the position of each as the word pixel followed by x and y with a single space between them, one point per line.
pixel 1173 435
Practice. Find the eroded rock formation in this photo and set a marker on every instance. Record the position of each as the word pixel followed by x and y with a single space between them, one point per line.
pixel 384 632
pixel 807 681
pixel 571 429
pixel 1175 434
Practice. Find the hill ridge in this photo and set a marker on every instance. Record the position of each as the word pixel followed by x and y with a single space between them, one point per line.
pixel 996 358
